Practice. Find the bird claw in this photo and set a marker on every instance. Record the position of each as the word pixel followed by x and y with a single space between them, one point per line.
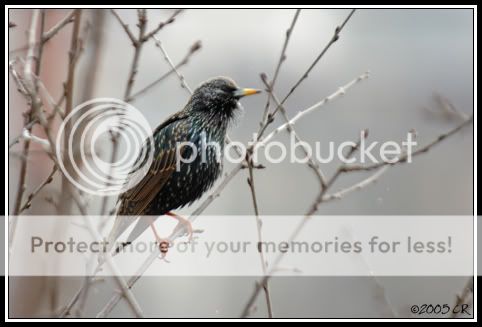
pixel 164 245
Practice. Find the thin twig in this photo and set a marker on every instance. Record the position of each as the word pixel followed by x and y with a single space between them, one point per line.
pixel 32 195
pixel 282 59
pixel 125 27
pixel 28 117
pixel 259 227
pixel 173 67
pixel 161 25
pixel 464 296
pixel 356 187
pixel 404 157
pixel 334 38
pixel 312 164
pixel 194 48
pixel 340 92
pixel 17 139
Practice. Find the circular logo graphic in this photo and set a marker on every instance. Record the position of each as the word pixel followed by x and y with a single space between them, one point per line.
pixel 105 123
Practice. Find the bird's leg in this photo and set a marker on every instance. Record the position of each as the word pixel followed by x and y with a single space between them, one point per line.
pixel 183 221
pixel 163 243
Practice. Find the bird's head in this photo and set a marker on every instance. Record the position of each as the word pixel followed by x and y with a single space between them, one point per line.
pixel 218 97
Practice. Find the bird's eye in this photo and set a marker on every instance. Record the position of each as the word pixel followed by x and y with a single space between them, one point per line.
pixel 231 89
pixel 226 90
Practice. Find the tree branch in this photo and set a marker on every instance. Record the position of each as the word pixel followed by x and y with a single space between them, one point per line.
pixel 57 27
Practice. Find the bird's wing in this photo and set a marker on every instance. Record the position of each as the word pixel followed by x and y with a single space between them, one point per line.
pixel 135 200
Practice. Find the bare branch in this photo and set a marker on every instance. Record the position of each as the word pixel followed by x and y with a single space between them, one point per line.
pixel 57 27
pixel 117 296
pixel 28 71
pixel 311 162
pixel 340 92
pixel 173 67
pixel 125 27
pixel 334 38
pixel 32 195
pixel 194 48
pixel 17 139
pixel 404 157
pixel 282 58
pixel 161 25
pixel 259 227
pixel 355 187
pixel 463 298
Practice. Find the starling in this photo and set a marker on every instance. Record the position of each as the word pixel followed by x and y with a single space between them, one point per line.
pixel 170 184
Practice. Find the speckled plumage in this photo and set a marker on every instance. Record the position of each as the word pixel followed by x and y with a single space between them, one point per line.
pixel 204 119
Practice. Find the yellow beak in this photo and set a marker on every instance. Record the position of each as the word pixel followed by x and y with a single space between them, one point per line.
pixel 245 92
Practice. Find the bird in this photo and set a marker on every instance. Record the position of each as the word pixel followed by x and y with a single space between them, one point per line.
pixel 171 183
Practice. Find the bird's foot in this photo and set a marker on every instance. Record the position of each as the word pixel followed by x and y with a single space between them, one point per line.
pixel 163 243
pixel 184 222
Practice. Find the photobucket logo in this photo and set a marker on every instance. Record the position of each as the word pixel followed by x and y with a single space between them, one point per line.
pixel 104 120
pixel 276 152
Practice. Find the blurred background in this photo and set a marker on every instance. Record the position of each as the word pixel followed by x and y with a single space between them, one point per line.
pixel 414 56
